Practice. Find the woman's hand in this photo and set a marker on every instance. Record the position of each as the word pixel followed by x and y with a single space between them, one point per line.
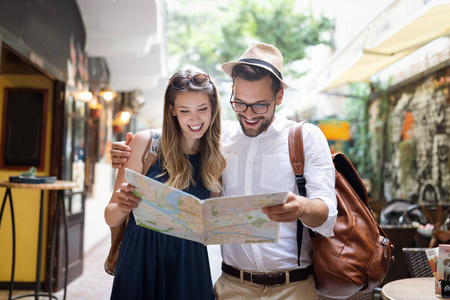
pixel 126 200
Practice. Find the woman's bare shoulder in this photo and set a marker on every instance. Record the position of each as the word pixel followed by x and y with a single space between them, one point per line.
pixel 140 138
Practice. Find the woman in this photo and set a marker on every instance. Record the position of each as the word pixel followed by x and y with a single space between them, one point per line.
pixel 153 265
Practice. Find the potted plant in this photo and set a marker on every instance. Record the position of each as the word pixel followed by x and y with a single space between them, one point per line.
pixel 95 108
pixel 117 125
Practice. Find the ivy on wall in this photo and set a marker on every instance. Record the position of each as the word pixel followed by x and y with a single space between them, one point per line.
pixel 357 111
pixel 384 149
pixel 405 153
pixel 361 152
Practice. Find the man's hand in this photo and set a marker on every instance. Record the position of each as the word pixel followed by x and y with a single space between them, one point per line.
pixel 312 212
pixel 120 151
pixel 288 212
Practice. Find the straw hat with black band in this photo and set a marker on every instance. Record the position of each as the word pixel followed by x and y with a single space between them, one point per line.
pixel 261 55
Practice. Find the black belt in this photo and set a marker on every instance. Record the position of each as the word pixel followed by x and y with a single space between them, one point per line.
pixel 269 279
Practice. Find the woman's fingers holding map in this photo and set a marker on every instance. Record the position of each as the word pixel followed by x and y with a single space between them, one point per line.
pixel 126 199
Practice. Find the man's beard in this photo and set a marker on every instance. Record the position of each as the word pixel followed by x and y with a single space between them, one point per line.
pixel 254 132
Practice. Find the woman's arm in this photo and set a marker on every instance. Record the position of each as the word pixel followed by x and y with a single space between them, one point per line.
pixel 122 200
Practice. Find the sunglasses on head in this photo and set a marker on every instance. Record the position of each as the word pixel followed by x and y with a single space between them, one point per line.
pixel 180 82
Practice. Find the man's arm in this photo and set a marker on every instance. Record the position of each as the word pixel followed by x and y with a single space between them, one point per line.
pixel 319 210
pixel 120 151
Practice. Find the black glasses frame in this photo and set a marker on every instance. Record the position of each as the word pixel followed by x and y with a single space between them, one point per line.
pixel 266 105
pixel 181 84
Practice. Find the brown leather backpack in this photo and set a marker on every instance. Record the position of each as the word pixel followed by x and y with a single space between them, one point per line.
pixel 357 257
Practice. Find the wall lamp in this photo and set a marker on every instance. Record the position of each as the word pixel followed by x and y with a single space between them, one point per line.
pixel 107 92
pixel 85 96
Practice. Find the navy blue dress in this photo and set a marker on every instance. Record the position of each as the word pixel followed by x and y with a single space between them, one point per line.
pixel 154 265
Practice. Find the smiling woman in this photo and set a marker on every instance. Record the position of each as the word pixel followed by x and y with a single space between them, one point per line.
pixel 193 112
pixel 189 159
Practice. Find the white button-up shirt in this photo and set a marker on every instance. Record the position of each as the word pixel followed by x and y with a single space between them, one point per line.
pixel 261 165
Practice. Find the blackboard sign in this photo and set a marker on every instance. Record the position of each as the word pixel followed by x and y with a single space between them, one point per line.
pixel 24 128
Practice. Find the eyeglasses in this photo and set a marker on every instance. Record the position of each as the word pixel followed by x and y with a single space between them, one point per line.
pixel 180 82
pixel 257 108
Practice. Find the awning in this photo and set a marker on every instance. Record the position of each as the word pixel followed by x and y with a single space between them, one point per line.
pixel 402 28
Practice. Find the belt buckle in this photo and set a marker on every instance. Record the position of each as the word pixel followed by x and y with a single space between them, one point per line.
pixel 251 278
pixel 283 275
pixel 278 276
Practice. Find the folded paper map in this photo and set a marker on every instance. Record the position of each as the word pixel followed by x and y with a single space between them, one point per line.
pixel 225 220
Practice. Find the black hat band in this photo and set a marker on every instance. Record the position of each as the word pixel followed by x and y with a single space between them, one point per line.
pixel 262 62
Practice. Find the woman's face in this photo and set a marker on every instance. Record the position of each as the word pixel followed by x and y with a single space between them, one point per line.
pixel 193 111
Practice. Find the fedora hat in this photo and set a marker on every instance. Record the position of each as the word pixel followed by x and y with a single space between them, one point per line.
pixel 261 55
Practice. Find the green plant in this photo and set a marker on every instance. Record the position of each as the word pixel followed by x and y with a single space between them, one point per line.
pixel 357 110
pixel 221 31
pixel 384 149
pixel 369 159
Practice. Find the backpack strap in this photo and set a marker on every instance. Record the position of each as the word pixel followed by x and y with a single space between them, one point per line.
pixel 151 151
pixel 297 157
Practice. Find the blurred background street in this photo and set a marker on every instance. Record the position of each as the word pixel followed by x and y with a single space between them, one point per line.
pixel 77 75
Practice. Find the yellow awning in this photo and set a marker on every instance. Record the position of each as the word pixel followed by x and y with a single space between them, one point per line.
pixel 402 28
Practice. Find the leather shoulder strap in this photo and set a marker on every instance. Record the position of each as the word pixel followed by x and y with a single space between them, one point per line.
pixel 297 157
pixel 144 154
pixel 296 153
pixel 151 152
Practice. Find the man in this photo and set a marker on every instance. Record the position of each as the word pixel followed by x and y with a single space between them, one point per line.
pixel 258 162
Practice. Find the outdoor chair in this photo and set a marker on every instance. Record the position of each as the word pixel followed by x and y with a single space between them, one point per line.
pixel 417 262
pixel 394 212
pixel 401 236
pixel 430 213
pixel 433 213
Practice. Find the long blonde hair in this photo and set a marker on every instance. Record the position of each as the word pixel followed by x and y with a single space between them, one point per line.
pixel 174 163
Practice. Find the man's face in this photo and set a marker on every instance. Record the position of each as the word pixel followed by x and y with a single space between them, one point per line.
pixel 256 92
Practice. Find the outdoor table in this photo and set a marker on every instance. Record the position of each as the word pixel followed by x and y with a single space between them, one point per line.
pixel 59 186
pixel 410 288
